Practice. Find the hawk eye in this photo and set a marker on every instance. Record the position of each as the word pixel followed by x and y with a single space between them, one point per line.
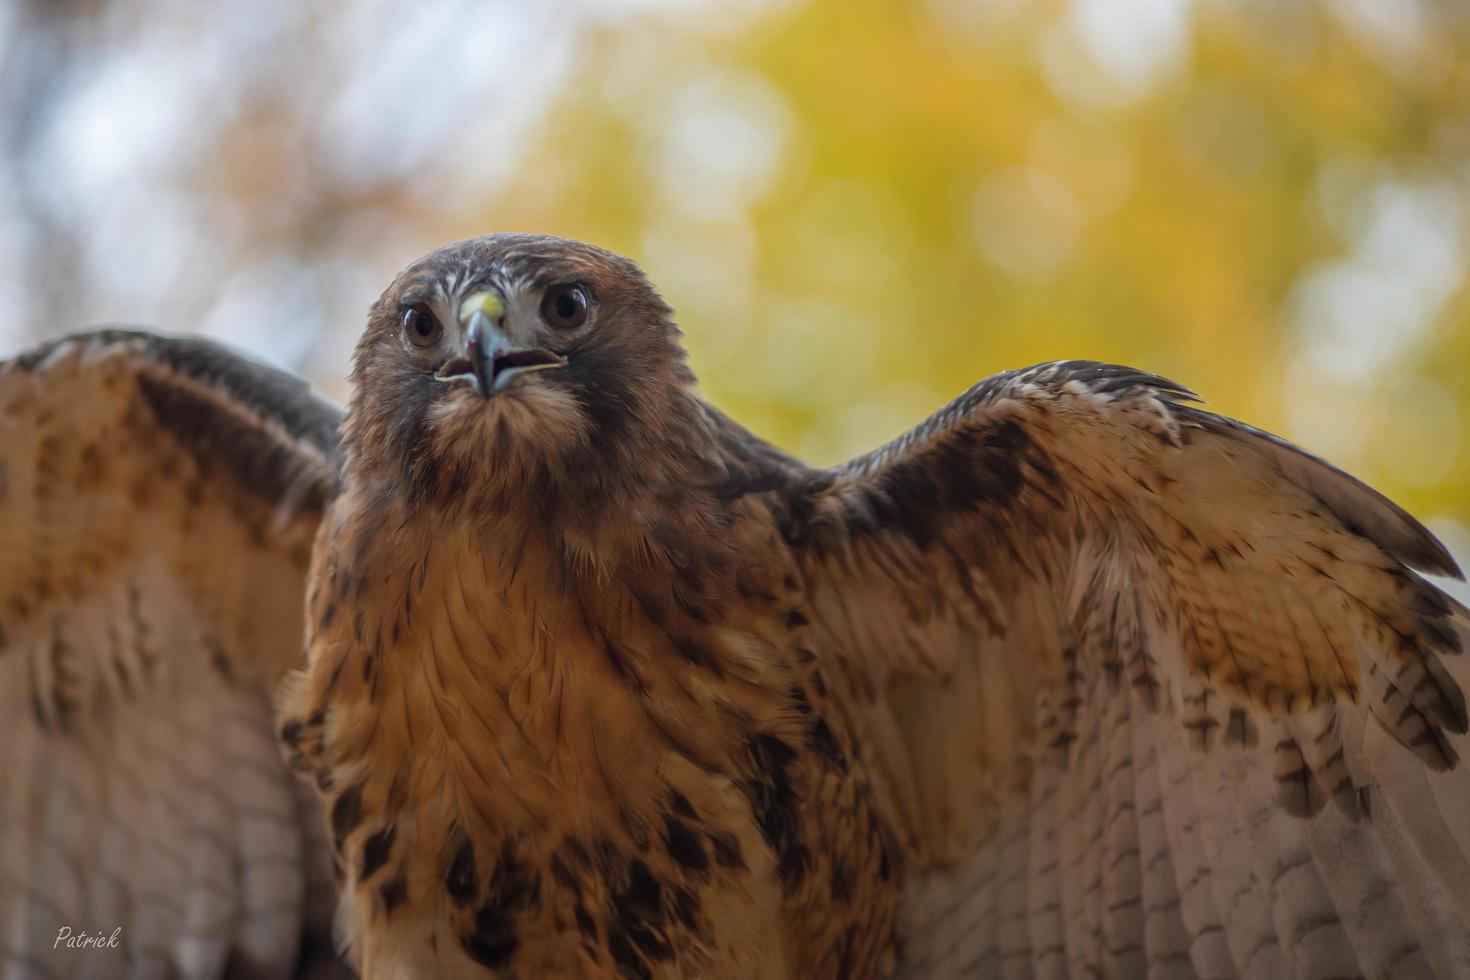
pixel 420 326
pixel 565 307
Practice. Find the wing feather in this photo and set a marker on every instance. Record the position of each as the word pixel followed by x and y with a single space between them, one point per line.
pixel 1167 935
pixel 1193 667
pixel 158 499
pixel 1044 903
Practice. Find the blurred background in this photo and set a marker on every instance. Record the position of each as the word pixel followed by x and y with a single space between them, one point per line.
pixel 858 207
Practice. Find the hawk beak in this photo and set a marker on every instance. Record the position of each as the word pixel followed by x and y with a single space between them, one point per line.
pixel 489 361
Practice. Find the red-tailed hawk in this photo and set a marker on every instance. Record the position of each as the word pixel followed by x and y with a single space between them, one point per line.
pixel 1074 679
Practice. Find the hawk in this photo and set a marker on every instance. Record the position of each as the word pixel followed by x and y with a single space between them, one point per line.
pixel 1074 679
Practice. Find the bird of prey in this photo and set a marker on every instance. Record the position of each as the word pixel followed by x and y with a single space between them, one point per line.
pixel 1074 679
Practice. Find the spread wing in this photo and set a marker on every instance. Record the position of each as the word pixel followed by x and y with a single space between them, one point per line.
pixel 1146 690
pixel 158 500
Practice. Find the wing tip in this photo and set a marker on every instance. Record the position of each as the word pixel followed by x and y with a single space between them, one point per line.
pixel 1405 538
pixel 1436 559
pixel 1361 509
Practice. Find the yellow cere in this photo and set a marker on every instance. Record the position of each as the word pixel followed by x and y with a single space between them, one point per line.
pixel 488 303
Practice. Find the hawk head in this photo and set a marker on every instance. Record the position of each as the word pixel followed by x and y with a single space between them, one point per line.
pixel 515 363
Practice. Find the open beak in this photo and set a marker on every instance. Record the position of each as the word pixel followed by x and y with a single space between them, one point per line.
pixel 488 361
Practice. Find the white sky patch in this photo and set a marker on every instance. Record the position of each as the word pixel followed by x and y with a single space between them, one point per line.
pixel 1024 221
pixel 1134 41
pixel 340 285
pixel 1393 31
pixel 273 310
pixel 713 16
pixel 720 143
pixel 119 123
pixel 1359 315
pixel 1361 318
pixel 152 99
pixel 15 326
pixel 166 238
pixel 1071 74
pixel 9 14
pixel 454 87
pixel 1110 52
